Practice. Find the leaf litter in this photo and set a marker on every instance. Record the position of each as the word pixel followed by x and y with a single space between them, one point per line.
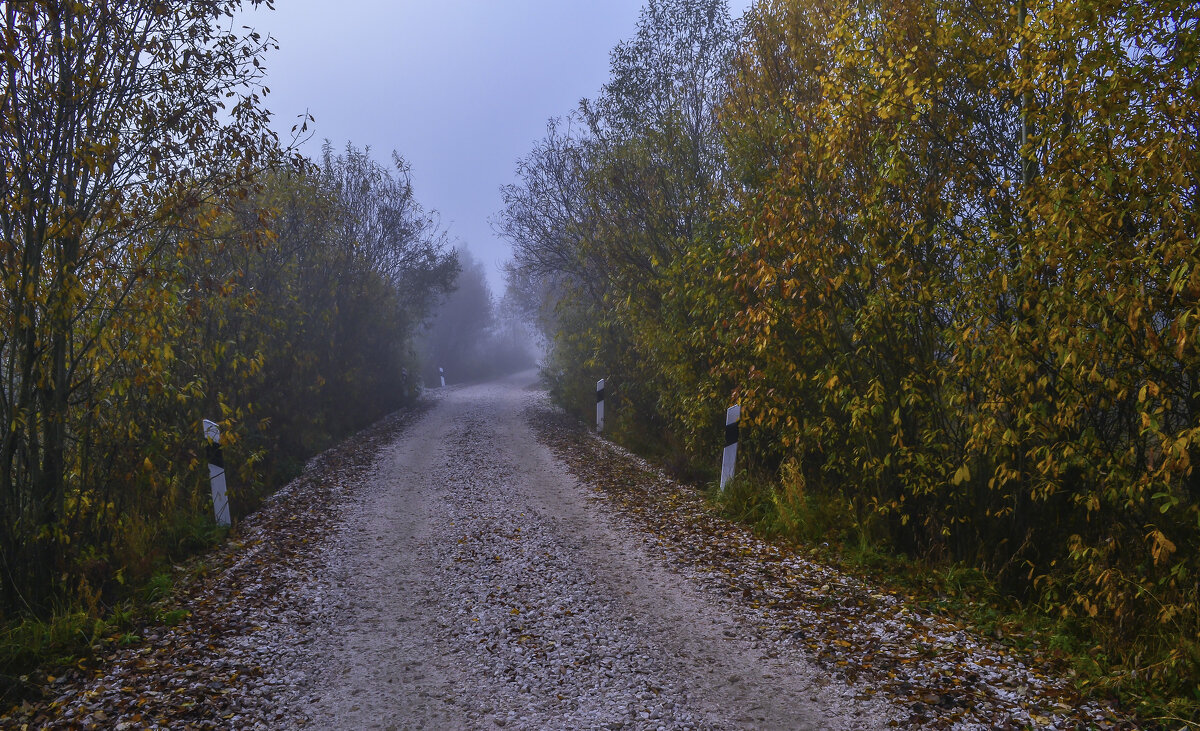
pixel 248 610
pixel 936 672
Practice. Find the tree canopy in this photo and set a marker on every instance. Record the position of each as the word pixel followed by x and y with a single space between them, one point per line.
pixel 944 256
pixel 164 260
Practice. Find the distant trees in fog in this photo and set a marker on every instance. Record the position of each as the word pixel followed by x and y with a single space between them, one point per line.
pixel 470 334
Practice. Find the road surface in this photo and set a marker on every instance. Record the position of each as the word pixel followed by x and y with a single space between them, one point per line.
pixel 475 584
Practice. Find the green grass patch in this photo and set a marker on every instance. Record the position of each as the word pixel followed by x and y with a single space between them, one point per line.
pixel 191 534
pixel 788 512
pixel 30 645
pixel 32 648
pixel 60 638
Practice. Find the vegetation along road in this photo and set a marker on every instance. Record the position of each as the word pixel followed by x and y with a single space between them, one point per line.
pixel 943 258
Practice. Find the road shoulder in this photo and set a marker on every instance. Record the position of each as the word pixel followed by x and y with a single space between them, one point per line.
pixel 931 670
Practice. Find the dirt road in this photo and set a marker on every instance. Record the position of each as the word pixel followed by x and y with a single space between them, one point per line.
pixel 443 569
pixel 476 584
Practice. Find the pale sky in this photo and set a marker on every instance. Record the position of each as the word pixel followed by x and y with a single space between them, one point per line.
pixel 460 88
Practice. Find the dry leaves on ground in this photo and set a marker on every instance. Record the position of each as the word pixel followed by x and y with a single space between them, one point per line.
pixel 219 666
pixel 940 673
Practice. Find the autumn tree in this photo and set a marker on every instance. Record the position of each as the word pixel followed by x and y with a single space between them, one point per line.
pixel 941 251
pixel 962 268
pixel 384 225
pixel 326 309
pixel 123 125
pixel 614 201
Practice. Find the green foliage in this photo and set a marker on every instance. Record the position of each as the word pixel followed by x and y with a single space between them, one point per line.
pixel 63 635
pixel 31 642
pixel 944 256
pixel 172 617
pixel 162 261
pixel 158 587
pixel 785 510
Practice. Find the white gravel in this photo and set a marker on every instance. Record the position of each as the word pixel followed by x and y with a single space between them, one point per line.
pixel 474 584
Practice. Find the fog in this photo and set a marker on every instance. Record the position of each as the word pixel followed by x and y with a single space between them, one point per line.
pixel 460 88
pixel 471 335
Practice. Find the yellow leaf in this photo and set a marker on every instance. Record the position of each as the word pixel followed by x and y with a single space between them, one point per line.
pixel 1161 545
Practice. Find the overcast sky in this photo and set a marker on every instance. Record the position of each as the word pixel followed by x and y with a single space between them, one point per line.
pixel 460 88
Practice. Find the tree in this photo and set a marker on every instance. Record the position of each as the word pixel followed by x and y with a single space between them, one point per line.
pixel 457 335
pixel 943 252
pixel 965 265
pixel 385 226
pixel 123 126
pixel 327 307
pixel 611 217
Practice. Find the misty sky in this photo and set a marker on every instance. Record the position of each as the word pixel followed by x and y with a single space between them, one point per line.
pixel 460 88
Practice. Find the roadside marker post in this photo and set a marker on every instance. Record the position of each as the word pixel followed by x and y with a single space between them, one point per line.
pixel 216 471
pixel 600 405
pixel 729 456
pixel 442 376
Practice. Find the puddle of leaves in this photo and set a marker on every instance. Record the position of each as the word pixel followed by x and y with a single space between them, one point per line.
pixel 937 672
pixel 201 672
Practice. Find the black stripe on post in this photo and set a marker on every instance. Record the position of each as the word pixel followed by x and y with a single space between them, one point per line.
pixel 212 452
pixel 599 395
pixel 731 434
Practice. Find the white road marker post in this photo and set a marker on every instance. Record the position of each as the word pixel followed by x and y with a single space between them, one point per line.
pixel 216 471
pixel 729 456
pixel 442 376
pixel 600 405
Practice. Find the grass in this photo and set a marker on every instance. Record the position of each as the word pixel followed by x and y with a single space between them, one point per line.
pixel 33 650
pixel 827 527
pixel 788 512
pixel 51 644
pixel 33 647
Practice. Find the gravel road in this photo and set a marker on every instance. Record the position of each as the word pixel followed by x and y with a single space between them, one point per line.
pixel 475 584
pixel 480 561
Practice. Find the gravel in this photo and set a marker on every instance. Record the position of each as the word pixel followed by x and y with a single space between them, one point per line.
pixel 476 584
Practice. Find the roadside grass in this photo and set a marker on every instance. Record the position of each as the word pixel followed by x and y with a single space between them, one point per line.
pixel 33 650
pixel 1100 666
